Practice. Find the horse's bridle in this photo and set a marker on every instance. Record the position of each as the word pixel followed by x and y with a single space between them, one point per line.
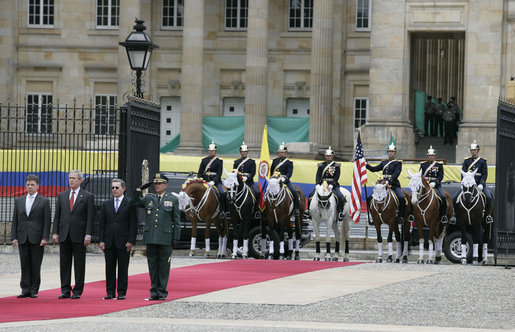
pixel 383 204
pixel 474 199
pixel 195 209
pixel 277 199
pixel 421 197
pixel 240 195
pixel 323 201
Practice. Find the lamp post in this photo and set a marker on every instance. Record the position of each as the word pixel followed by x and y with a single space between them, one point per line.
pixel 139 48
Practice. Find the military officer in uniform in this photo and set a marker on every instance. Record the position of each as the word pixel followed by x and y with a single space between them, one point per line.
pixel 392 168
pixel 475 162
pixel 162 229
pixel 433 172
pixel 329 171
pixel 429 116
pixel 210 170
pixel 449 121
pixel 439 109
pixel 284 166
pixel 247 167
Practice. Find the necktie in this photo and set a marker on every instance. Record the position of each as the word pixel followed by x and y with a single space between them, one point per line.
pixel 159 200
pixel 116 205
pixel 72 200
pixel 28 204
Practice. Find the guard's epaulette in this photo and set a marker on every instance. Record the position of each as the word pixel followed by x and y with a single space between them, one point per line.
pixel 338 164
pixel 319 164
pixel 399 160
pixel 440 162
pixel 422 162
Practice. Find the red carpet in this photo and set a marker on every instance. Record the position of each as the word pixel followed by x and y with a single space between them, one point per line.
pixel 184 282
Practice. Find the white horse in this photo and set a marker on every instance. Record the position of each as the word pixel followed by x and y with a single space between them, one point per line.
pixel 323 209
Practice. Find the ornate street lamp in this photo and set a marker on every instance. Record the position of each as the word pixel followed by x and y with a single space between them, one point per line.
pixel 139 48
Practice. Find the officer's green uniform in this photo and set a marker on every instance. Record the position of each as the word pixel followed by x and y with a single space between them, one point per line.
pixel 162 229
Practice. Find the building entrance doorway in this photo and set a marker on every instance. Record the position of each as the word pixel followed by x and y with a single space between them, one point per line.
pixel 437 70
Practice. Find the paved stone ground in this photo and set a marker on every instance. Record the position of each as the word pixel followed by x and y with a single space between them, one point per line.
pixel 444 297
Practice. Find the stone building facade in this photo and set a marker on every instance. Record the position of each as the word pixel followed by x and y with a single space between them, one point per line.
pixel 344 63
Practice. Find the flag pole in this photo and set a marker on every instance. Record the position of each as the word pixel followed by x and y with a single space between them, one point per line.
pixel 368 219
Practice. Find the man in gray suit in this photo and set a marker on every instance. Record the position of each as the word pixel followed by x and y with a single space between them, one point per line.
pixel 30 231
pixel 73 220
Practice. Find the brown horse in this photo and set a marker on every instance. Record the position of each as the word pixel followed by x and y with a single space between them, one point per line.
pixel 199 201
pixel 384 210
pixel 469 212
pixel 426 210
pixel 278 212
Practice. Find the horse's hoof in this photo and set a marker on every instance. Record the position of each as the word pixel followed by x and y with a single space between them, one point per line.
pixel 206 255
pixel 397 260
pixel 463 261
pixel 192 253
pixel 379 260
pixel 218 256
pixel 245 257
pixel 345 259
pixel 316 259
pixel 420 261
pixel 262 256
pixel 327 259
pixel 297 256
pixel 404 260
pixel 389 259
pixel 335 259
pixel 484 262
pixel 429 261
pixel 288 258
pixel 438 259
pixel 475 261
pixel 234 256
pixel 281 257
pixel 271 257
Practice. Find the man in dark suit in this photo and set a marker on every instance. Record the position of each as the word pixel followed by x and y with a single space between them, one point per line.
pixel 162 229
pixel 30 231
pixel 117 233
pixel 73 220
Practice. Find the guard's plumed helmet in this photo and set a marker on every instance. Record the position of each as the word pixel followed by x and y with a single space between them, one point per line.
pixel 392 147
pixel 474 146
pixel 244 147
pixel 282 148
pixel 431 151
pixel 212 146
pixel 329 152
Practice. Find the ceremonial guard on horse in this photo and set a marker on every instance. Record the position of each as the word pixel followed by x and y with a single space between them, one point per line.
pixel 329 171
pixel 284 166
pixel 210 170
pixel 247 167
pixel 391 170
pixel 478 164
pixel 433 172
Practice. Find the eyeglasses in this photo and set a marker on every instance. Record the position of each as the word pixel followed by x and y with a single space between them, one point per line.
pixel 115 187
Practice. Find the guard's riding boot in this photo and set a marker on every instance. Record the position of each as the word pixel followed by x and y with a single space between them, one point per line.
pixel 489 219
pixel 296 205
pixel 340 209
pixel 443 211
pixel 402 207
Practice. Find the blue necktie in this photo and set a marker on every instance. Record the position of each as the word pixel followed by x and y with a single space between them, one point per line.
pixel 116 205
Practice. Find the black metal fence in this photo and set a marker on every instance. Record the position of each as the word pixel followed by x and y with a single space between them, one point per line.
pixel 505 186
pixel 50 140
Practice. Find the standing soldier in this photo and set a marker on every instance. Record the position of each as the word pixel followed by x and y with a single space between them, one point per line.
pixel 210 170
pixel 440 108
pixel 247 167
pixel 433 171
pixel 329 171
pixel 392 168
pixel 429 116
pixel 449 121
pixel 162 229
pixel 456 110
pixel 475 162
pixel 284 166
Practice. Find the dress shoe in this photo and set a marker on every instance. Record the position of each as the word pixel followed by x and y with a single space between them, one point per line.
pixel 161 298
pixel 108 297
pixel 153 298
pixel 64 296
pixel 121 297
pixel 34 296
pixel 76 296
pixel 21 296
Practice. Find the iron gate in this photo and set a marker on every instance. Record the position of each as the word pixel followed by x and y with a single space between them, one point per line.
pixel 504 225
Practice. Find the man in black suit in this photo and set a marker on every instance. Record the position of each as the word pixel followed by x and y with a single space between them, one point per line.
pixel 73 220
pixel 30 231
pixel 118 228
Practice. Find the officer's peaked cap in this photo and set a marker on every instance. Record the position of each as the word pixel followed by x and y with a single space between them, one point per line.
pixel 160 177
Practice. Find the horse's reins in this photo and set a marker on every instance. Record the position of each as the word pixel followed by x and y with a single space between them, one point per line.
pixel 474 201
pixel 239 194
pixel 422 198
pixel 374 204
pixel 196 209
pixel 278 200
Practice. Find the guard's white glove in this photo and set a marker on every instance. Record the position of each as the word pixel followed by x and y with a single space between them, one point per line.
pixel 432 184
pixel 480 187
pixel 244 178
pixel 330 187
pixel 211 183
pixel 283 178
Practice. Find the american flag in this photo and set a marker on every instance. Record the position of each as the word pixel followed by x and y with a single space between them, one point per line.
pixel 359 178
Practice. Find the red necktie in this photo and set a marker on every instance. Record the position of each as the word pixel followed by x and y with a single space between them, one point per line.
pixel 72 200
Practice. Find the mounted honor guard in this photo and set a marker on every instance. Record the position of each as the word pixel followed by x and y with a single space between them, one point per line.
pixel 470 164
pixel 329 171
pixel 433 172
pixel 392 168
pixel 284 167
pixel 247 167
pixel 210 170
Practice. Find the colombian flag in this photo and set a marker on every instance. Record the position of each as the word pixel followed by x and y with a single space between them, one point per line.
pixel 264 169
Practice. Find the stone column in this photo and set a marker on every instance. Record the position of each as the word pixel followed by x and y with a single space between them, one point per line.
pixel 320 104
pixel 8 52
pixel 256 72
pixel 192 77
pixel 128 12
